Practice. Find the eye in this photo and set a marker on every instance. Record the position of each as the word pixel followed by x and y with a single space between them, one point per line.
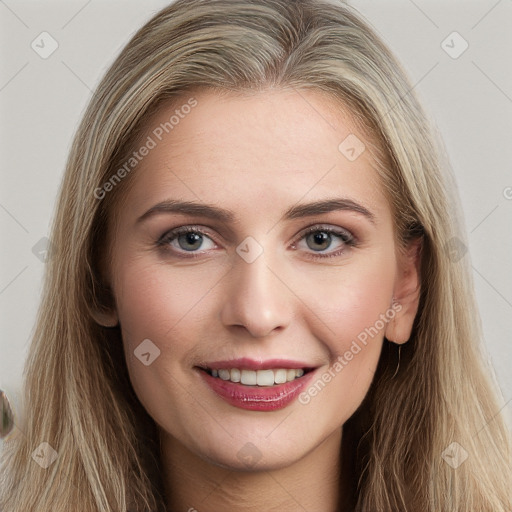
pixel 319 240
pixel 325 241
pixel 186 239
pixel 190 241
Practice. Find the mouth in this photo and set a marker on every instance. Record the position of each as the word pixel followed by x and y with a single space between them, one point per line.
pixel 261 378
pixel 256 385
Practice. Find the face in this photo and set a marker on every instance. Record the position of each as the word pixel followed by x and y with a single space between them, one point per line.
pixel 252 246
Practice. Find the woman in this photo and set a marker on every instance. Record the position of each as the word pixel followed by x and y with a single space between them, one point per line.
pixel 250 304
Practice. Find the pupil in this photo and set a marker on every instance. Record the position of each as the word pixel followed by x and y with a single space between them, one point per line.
pixel 320 240
pixel 190 241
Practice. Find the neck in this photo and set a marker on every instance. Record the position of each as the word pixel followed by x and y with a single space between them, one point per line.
pixel 192 484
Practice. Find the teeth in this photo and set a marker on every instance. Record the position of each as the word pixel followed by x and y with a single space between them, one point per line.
pixel 224 374
pixel 248 377
pixel 280 376
pixel 265 378
pixel 259 377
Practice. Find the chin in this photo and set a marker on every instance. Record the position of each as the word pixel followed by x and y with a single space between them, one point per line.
pixel 250 458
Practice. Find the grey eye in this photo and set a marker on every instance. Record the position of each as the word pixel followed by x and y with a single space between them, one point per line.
pixel 319 240
pixel 190 241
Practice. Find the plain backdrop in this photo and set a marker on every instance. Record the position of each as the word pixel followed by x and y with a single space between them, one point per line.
pixel 458 54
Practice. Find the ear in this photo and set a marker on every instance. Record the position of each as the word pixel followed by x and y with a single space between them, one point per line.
pixel 103 310
pixel 103 307
pixel 406 293
pixel 105 318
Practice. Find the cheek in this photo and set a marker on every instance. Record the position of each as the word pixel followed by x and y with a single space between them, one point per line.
pixel 350 300
pixel 353 307
pixel 153 300
pixel 166 306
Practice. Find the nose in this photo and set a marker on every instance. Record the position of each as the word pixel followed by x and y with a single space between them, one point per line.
pixel 257 299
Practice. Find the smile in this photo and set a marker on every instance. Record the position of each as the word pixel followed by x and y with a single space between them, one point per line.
pixel 257 385
pixel 269 377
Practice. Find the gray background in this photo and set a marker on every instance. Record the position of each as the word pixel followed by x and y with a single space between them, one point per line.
pixel 41 101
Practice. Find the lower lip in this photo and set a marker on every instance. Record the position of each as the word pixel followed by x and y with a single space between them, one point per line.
pixel 257 398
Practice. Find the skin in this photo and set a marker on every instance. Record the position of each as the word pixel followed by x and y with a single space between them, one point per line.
pixel 256 155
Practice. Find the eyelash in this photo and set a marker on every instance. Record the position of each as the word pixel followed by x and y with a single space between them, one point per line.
pixel 346 237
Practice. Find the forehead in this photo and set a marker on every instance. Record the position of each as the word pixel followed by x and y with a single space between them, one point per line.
pixel 237 148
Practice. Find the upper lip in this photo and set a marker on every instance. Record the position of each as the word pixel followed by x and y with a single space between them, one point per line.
pixel 245 363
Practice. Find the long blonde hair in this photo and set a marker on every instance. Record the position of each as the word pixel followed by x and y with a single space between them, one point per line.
pixel 78 397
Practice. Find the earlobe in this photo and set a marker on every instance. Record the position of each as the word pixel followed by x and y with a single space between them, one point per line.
pixel 407 294
pixel 103 308
pixel 105 318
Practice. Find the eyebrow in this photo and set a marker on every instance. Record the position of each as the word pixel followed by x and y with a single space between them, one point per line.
pixel 188 208
pixel 327 206
pixel 226 216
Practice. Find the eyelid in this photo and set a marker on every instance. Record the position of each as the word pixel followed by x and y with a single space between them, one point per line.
pixel 188 228
pixel 164 241
pixel 338 231
pixel 335 230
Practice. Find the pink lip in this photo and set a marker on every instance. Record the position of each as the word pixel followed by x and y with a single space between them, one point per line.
pixel 257 398
pixel 245 363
